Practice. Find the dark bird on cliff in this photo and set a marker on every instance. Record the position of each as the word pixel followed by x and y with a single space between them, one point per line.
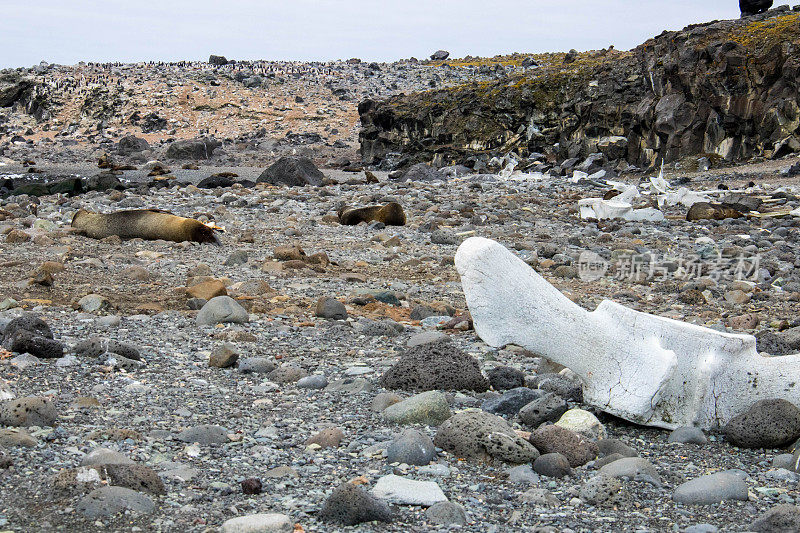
pixel 754 7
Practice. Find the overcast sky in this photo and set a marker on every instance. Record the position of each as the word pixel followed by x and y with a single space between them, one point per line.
pixel 68 31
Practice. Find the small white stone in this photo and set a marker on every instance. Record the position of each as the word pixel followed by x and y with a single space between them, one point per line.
pixel 402 491
pixel 259 523
pixel 582 422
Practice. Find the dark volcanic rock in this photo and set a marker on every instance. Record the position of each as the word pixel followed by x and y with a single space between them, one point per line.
pixel 547 408
pixel 510 402
pixel 506 377
pixel 217 61
pixel 660 97
pixel 153 122
pixel 23 341
pixel 421 172
pixel 192 149
pixel 103 182
pixel 213 182
pixel 12 87
pixel 131 144
pixel 349 505
pixel 292 171
pixel 767 424
pixel 29 323
pixel 780 519
pixel 440 55
pixel 435 366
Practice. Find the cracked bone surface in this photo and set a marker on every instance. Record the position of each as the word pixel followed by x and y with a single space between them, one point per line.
pixel 644 368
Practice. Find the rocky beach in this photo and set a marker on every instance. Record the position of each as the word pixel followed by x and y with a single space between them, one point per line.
pixel 325 369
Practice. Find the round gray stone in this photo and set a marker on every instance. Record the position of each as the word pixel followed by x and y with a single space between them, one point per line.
pixel 412 447
pixel 446 514
pixel 108 501
pixel 204 434
pixel 688 435
pixel 221 310
pixel 710 489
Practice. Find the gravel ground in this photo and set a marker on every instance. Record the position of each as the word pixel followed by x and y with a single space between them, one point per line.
pixel 268 422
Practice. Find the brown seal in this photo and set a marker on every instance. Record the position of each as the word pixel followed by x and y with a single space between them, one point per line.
pixel 151 224
pixel 709 211
pixel 390 214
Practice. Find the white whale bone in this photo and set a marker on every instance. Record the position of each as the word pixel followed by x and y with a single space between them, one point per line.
pixel 644 368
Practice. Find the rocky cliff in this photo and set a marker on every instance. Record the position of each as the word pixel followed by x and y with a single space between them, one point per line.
pixel 727 87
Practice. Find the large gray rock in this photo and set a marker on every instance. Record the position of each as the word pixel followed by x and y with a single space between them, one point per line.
pixel 108 501
pixel 22 341
pixel 481 436
pixel 633 468
pixel 552 465
pixel 435 366
pixel 131 144
pixel 429 408
pixel 30 323
pixel 412 447
pixel 711 488
pixel 767 424
pixel 221 310
pixel 422 172
pixel 446 514
pixel 349 505
pixel 330 309
pixel 28 411
pixel 192 149
pixel 292 171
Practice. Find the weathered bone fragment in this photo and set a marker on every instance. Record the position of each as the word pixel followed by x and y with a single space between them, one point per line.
pixel 644 368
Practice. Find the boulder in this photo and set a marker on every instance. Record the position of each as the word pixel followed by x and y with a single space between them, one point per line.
pixel 429 408
pixel 292 171
pixel 109 501
pixel 481 436
pixel 547 408
pixel 435 366
pixel 192 149
pixel 130 144
pixel 780 519
pixel 556 439
pixel 766 424
pixel 711 488
pixel 349 505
